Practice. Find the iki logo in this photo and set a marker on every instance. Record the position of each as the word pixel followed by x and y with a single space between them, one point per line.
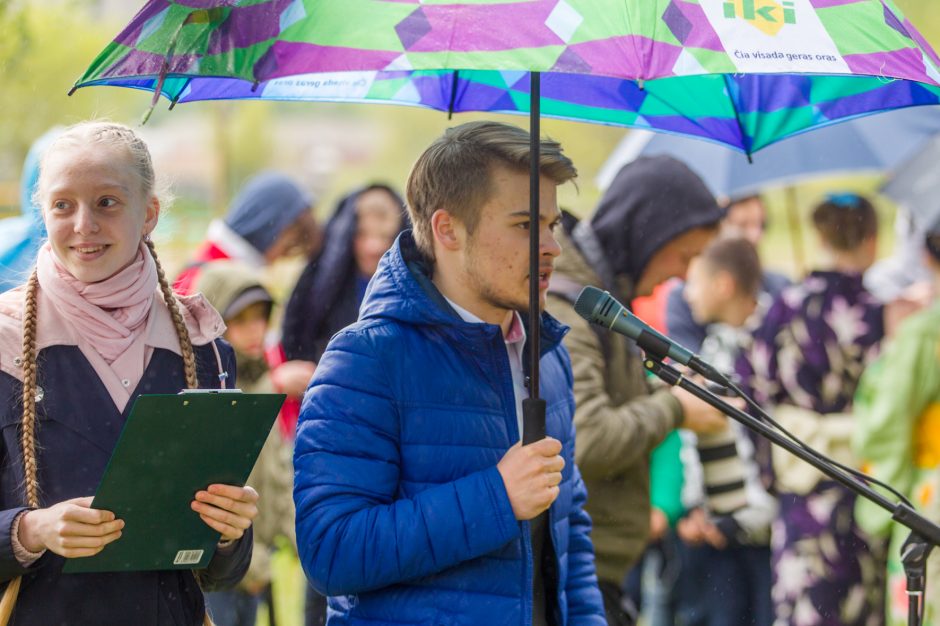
pixel 767 15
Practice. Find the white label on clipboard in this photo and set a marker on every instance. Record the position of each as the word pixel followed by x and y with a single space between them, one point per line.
pixel 188 557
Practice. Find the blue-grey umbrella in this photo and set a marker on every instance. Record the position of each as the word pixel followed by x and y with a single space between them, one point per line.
pixel 915 184
pixel 872 144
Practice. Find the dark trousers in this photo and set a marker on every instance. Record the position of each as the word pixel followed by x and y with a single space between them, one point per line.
pixel 728 587
pixel 617 606
pixel 233 607
pixel 315 608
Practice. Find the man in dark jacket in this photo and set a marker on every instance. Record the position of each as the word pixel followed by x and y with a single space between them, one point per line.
pixel 416 504
pixel 655 217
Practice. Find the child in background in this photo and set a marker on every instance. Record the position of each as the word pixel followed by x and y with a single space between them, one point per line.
pixel 95 326
pixel 235 291
pixel 897 410
pixel 726 537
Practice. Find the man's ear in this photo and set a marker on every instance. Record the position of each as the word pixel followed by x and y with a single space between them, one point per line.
pixel 448 231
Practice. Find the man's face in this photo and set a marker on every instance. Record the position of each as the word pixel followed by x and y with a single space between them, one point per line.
pixel 746 219
pixel 495 260
pixel 703 292
pixel 672 260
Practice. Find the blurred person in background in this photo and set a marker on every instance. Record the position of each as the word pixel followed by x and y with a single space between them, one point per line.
pixel 235 291
pixel 21 236
pixel 331 287
pixel 725 573
pixel 653 219
pixel 898 435
pixel 271 218
pixel 803 366
pixel 746 218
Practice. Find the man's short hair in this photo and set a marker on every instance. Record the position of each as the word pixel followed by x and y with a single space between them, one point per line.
pixel 738 257
pixel 454 173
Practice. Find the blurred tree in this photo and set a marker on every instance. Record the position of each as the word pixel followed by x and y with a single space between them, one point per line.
pixel 45 46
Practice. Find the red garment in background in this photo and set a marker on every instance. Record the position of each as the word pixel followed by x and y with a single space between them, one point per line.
pixel 652 308
pixel 290 411
pixel 183 285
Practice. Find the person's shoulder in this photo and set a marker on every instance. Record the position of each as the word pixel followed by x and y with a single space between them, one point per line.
pixel 774 282
pixel 372 336
pixel 12 303
pixel 922 325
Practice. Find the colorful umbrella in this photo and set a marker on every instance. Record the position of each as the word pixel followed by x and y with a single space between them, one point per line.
pixel 742 72
pixel 720 69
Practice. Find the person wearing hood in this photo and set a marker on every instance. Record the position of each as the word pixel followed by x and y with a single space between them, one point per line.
pixel 21 236
pixel 271 218
pixel 654 218
pixel 235 291
pixel 329 291
pixel 416 502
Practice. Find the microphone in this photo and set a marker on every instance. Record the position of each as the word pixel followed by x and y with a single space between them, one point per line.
pixel 599 307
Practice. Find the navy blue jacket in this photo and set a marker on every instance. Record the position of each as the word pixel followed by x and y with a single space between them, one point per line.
pixel 78 427
pixel 402 516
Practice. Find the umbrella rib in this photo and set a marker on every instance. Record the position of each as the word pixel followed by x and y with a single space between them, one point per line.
pixel 745 143
pixel 453 95
pixel 705 136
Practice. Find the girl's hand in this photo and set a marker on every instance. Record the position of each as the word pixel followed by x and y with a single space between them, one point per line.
pixel 71 529
pixel 227 509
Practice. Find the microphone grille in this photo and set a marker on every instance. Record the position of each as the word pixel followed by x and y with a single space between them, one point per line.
pixel 587 302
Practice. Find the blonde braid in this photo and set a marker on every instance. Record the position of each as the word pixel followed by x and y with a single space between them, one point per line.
pixel 28 430
pixel 28 424
pixel 186 346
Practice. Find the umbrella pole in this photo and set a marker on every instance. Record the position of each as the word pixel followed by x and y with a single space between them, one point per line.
pixel 533 407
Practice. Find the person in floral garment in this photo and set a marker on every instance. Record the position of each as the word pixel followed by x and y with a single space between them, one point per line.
pixel 898 436
pixel 803 367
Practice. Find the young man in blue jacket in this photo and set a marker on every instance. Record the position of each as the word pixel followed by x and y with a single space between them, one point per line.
pixel 416 503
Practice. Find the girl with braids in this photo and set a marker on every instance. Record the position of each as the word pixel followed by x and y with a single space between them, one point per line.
pixel 95 326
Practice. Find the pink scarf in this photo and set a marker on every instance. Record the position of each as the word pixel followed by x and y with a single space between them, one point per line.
pixel 109 315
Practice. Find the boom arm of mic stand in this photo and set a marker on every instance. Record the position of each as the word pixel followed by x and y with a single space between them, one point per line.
pixel 925 535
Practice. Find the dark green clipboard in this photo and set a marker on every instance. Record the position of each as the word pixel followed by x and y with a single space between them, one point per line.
pixel 171 447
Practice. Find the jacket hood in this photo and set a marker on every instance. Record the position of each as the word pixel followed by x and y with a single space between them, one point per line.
pixel 21 236
pixel 230 287
pixel 650 202
pixel 265 206
pixel 333 269
pixel 401 290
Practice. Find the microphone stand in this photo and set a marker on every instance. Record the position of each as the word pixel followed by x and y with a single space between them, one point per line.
pixel 924 535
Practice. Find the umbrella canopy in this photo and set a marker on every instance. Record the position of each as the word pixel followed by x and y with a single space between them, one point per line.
pixel 719 69
pixel 915 184
pixel 868 144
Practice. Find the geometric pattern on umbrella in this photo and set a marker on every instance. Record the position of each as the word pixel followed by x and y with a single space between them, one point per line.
pixel 742 72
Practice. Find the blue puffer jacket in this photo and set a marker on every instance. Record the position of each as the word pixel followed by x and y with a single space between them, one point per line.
pixel 402 516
